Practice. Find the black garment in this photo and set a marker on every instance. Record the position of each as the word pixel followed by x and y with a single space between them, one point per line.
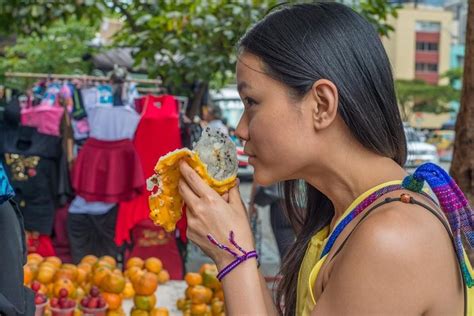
pixel 281 227
pixel 92 234
pixel 15 299
pixel 31 161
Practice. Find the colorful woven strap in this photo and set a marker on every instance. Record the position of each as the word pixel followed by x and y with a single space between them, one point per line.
pixel 454 205
pixel 356 211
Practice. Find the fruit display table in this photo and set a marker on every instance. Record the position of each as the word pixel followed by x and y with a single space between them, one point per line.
pixel 166 294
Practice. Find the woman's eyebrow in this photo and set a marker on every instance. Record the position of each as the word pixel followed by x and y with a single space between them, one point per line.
pixel 242 86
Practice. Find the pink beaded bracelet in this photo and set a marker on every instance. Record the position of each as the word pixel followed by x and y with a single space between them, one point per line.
pixel 238 259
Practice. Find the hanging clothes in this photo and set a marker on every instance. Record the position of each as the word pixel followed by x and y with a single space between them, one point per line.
pixel 108 171
pixel 90 98
pixel 92 234
pixel 157 134
pixel 32 163
pixel 106 97
pixel 113 123
pixel 78 111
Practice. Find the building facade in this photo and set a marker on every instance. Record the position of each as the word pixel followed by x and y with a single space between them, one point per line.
pixel 420 46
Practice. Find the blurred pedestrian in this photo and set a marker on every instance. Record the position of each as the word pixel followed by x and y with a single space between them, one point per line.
pixel 213 117
pixel 281 227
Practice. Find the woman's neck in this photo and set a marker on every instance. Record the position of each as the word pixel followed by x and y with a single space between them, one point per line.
pixel 345 179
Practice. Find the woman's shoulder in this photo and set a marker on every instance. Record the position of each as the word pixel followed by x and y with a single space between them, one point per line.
pixel 401 254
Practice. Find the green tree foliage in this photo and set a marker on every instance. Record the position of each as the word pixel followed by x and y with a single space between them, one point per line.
pixel 188 41
pixel 34 16
pixel 59 50
pixel 418 96
pixel 182 41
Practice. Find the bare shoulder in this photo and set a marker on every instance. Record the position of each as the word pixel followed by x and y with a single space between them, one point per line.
pixel 400 259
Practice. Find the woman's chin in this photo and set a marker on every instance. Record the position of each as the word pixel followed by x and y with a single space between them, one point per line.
pixel 262 178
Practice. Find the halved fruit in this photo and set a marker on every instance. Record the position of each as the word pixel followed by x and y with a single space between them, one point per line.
pixel 214 158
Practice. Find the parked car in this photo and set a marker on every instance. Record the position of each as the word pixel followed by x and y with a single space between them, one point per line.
pixel 228 100
pixel 444 142
pixel 419 152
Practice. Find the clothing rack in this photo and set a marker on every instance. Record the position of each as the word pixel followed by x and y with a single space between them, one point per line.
pixel 72 77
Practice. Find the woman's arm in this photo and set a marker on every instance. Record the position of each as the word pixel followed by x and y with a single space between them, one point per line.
pixel 209 213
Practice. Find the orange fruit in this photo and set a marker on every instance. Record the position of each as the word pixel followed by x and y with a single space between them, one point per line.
pixel 134 273
pixel 115 312
pixel 200 294
pixel 45 274
pixel 64 284
pixel 138 312
pixel 99 274
pixel 85 266
pixel 209 278
pixel 113 283
pixel 193 278
pixel 34 257
pixel 90 259
pixel 113 300
pixel 159 311
pixel 134 262
pixel 80 293
pixel 217 307
pixel 28 274
pixel 163 277
pixel 67 271
pixel 110 260
pixel 145 302
pixel 198 309
pixel 55 261
pixel 153 265
pixel 219 295
pixel 48 264
pixel 146 284
pixel 207 266
pixel 128 291
pixel 101 263
pixel 81 275
pixel 187 292
pixel 117 271
pixel 43 289
pixel 181 303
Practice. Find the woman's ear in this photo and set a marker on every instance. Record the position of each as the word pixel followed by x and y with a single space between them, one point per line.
pixel 324 100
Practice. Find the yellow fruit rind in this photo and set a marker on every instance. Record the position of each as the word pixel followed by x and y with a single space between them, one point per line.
pixel 166 204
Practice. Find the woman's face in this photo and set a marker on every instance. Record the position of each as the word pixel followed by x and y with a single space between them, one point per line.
pixel 277 129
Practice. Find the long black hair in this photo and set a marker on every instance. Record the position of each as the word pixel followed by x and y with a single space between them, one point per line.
pixel 300 44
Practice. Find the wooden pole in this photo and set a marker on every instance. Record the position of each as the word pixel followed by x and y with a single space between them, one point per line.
pixel 71 77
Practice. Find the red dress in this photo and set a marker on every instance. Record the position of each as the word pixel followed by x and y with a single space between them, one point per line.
pixel 157 134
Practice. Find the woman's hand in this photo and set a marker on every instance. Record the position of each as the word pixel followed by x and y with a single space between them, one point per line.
pixel 209 213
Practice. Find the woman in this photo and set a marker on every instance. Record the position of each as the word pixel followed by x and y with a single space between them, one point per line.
pixel 320 106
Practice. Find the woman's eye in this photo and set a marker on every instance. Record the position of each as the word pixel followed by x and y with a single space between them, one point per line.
pixel 249 101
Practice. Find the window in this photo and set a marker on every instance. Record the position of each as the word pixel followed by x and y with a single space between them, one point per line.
pixel 424 67
pixel 428 26
pixel 424 46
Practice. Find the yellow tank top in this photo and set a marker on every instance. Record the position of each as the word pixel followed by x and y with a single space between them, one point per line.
pixel 305 299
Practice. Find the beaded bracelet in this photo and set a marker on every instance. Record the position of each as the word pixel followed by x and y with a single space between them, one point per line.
pixel 238 259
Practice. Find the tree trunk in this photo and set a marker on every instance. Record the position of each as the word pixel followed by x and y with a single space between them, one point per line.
pixel 462 167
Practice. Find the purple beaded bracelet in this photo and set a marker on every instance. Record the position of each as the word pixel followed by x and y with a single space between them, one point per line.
pixel 238 259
